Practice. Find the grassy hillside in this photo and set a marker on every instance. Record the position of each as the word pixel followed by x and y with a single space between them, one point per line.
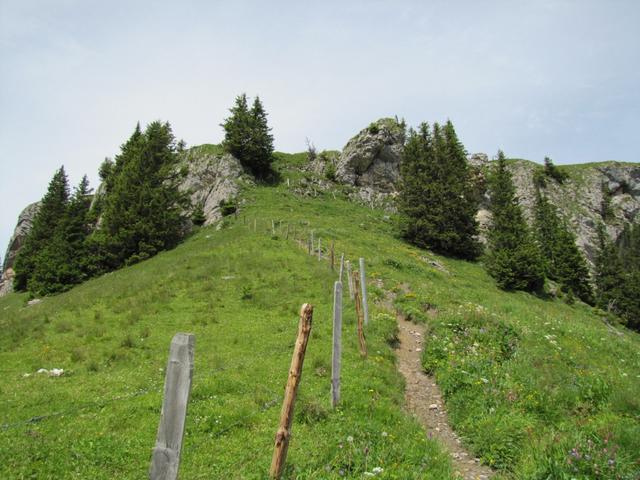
pixel 535 387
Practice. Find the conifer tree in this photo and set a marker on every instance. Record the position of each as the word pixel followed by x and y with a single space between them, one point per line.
pixel 513 258
pixel 61 263
pixel 261 144
pixel 562 258
pixel 437 199
pixel 144 211
pixel 52 209
pixel 248 137
pixel 609 277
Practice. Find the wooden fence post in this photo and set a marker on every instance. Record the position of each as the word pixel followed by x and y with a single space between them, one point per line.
pixel 341 267
pixel 349 280
pixel 165 458
pixel 333 255
pixel 361 340
pixel 363 284
pixel 337 341
pixel 319 250
pixel 295 372
pixel 286 235
pixel 273 228
pixel 310 243
pixel 255 225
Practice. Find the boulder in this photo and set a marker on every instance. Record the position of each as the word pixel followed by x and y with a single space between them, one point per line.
pixel 372 158
pixel 213 178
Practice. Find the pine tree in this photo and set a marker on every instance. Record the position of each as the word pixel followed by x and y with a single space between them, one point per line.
pixel 62 261
pixel 261 144
pixel 513 258
pixel 437 199
pixel 144 210
pixel 248 137
pixel 609 277
pixel 562 258
pixel 50 213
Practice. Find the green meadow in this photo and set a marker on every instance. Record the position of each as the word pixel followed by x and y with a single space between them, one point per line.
pixel 535 387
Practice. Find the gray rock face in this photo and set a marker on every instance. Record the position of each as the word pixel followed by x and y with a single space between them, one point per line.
pixel 212 178
pixel 23 227
pixel 579 198
pixel 372 158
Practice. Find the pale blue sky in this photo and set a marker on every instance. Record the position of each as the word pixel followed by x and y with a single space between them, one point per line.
pixel 535 78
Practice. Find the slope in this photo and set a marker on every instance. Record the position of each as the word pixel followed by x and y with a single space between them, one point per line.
pixel 535 387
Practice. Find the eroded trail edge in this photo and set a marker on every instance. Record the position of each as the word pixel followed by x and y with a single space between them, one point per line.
pixel 424 399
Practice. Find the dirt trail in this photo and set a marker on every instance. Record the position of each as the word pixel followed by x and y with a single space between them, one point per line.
pixel 424 400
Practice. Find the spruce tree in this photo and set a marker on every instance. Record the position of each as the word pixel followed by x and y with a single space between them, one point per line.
pixel 144 210
pixel 52 209
pixel 261 144
pixel 437 200
pixel 562 259
pixel 513 258
pixel 248 137
pixel 62 261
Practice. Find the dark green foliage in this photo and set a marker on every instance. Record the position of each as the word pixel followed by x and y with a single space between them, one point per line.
pixel 197 217
pixel 618 275
pixel 513 258
pixel 606 211
pixel 60 259
pixel 330 172
pixel 553 172
pixel 562 258
pixel 228 207
pixel 53 207
pixel 143 211
pixel 248 137
pixel 437 200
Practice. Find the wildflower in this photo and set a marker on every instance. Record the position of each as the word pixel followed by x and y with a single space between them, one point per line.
pixel 350 439
pixel 384 434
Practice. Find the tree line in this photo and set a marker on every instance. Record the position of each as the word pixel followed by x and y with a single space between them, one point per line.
pixel 139 211
pixel 440 196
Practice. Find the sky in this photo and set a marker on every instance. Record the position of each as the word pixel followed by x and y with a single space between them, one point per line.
pixel 534 78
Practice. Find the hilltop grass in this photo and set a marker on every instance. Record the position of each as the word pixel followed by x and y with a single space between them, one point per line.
pixel 535 387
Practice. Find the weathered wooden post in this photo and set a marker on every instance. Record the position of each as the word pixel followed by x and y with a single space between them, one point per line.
pixel 165 458
pixel 361 340
pixel 350 280
pixel 341 267
pixel 295 372
pixel 273 228
pixel 333 256
pixel 337 341
pixel 363 284
pixel 319 250
pixel 286 235
pixel 312 244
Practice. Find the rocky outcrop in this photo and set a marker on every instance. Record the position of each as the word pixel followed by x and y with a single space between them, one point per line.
pixel 580 198
pixel 371 159
pixel 212 179
pixel 23 227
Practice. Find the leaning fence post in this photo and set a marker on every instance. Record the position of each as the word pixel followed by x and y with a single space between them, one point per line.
pixel 349 280
pixel 363 285
pixel 165 458
pixel 341 267
pixel 295 373
pixel 337 340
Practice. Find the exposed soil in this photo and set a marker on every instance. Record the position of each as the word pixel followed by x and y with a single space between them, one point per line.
pixel 424 400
